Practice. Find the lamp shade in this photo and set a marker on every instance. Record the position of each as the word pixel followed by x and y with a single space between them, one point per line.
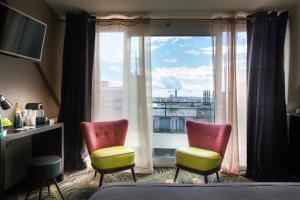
pixel 4 103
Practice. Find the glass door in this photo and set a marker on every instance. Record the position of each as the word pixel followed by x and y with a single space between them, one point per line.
pixel 182 88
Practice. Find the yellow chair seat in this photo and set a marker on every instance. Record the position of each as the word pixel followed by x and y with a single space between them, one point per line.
pixel 198 159
pixel 112 157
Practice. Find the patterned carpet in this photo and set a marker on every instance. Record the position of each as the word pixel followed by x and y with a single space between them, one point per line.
pixel 80 185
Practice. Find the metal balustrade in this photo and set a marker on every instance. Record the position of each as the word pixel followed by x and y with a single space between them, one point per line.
pixel 170 117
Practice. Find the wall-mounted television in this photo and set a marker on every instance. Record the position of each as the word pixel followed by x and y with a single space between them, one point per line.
pixel 20 34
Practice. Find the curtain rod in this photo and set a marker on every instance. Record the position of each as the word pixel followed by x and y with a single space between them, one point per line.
pixel 174 19
pixel 148 19
pixel 132 22
pixel 141 20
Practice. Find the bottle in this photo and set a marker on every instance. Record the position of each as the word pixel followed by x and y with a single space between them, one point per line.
pixel 1 125
pixel 18 122
pixel 25 117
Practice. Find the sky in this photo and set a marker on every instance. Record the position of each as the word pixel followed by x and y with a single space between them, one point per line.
pixel 177 63
pixel 182 63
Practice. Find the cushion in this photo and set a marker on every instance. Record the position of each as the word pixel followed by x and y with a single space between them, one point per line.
pixel 112 157
pixel 44 167
pixel 199 159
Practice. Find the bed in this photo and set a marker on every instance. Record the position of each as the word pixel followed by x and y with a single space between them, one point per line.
pixel 218 191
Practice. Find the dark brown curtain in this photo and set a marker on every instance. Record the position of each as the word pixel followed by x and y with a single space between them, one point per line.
pixel 76 85
pixel 267 144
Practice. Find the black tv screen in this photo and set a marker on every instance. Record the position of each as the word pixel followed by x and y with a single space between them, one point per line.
pixel 20 34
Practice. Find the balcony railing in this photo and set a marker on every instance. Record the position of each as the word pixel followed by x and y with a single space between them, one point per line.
pixel 170 117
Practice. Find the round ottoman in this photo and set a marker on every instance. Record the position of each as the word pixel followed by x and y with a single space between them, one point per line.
pixel 43 170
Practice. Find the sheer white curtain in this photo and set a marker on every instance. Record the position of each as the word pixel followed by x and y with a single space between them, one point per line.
pixel 122 85
pixel 230 89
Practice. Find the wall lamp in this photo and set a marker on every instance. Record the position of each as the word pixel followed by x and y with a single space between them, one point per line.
pixel 4 103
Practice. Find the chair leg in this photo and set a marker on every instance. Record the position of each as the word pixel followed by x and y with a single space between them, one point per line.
pixel 176 174
pixel 205 179
pixel 133 174
pixel 56 185
pixel 27 195
pixel 95 175
pixel 48 185
pixel 218 177
pixel 101 179
pixel 29 191
pixel 40 193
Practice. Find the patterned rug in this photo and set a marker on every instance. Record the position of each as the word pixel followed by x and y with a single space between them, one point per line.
pixel 80 185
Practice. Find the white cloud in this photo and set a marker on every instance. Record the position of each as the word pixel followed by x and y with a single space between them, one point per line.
pixel 111 82
pixel 176 39
pixel 115 68
pixel 189 81
pixel 111 47
pixel 154 47
pixel 171 60
pixel 157 42
pixel 171 82
pixel 240 49
pixel 185 45
pixel 207 50
pixel 192 52
pixel 163 39
pixel 160 39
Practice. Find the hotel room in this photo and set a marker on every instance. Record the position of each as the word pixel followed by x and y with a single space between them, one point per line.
pixel 149 100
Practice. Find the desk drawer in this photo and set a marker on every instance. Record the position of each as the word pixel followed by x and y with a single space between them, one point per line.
pixel 18 152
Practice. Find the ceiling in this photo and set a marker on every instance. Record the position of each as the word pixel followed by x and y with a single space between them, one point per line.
pixel 168 8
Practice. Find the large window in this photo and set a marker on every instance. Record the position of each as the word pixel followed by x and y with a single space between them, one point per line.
pixel 111 62
pixel 182 88
pixel 190 77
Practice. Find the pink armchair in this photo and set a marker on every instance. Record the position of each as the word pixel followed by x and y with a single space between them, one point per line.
pixel 105 144
pixel 207 145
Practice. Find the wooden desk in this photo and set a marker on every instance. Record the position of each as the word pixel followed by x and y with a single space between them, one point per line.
pixel 45 140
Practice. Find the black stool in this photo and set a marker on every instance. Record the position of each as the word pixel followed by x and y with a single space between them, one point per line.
pixel 42 170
